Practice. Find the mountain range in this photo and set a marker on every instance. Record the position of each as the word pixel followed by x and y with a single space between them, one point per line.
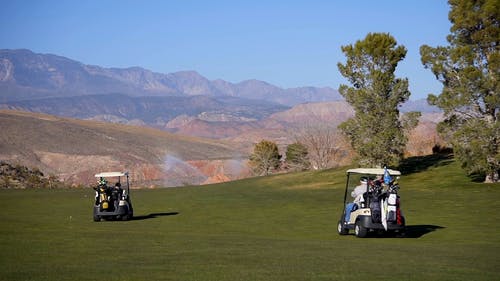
pixel 25 75
pixel 52 84
pixel 234 115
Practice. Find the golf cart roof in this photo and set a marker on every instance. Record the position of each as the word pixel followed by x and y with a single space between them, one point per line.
pixel 111 174
pixel 373 171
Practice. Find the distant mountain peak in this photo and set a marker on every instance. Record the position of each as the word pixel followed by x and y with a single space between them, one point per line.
pixel 28 75
pixel 187 72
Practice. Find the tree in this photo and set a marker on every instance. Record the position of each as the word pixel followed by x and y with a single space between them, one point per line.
pixel 6 182
pixel 297 156
pixel 377 131
pixel 265 158
pixel 469 69
pixel 324 145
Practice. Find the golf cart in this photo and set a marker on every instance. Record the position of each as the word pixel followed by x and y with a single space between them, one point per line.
pixel 376 206
pixel 112 202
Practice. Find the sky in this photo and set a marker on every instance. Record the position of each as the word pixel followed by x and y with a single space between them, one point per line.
pixel 286 43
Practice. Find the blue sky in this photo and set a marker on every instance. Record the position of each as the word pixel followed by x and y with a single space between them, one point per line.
pixel 286 43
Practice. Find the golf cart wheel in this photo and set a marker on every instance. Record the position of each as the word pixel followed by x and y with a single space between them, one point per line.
pixel 127 217
pixel 359 230
pixel 341 229
pixel 97 218
pixel 400 233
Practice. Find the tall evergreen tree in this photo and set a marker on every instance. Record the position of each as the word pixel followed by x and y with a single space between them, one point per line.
pixel 469 69
pixel 265 158
pixel 297 157
pixel 376 132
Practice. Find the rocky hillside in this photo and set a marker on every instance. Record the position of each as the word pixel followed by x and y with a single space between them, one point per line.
pixel 283 127
pixel 74 150
pixel 18 176
pixel 334 113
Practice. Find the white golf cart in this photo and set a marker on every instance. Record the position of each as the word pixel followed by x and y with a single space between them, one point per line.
pixel 377 203
pixel 112 202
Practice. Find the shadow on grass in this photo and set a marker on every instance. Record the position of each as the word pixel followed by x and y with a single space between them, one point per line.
pixel 418 164
pixel 412 231
pixel 153 215
pixel 417 231
pixel 477 177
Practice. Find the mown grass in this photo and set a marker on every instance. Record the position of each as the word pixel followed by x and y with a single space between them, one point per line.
pixel 273 228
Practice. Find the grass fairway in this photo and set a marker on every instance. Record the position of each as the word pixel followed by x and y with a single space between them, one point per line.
pixel 273 228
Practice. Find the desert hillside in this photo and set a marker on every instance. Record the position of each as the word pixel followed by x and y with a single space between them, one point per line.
pixel 283 127
pixel 167 129
pixel 74 150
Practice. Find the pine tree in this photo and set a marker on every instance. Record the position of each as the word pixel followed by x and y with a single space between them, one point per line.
pixel 297 157
pixel 265 158
pixel 377 131
pixel 469 69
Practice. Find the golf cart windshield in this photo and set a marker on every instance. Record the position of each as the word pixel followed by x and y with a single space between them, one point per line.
pixel 356 176
pixel 373 171
pixel 117 175
pixel 110 174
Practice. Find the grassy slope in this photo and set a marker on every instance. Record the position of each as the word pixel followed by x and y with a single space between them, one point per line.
pixel 274 228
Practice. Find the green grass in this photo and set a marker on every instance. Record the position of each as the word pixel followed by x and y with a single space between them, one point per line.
pixel 273 228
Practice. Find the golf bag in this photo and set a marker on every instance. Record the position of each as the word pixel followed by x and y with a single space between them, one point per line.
pixel 376 211
pixel 391 207
pixel 102 198
pixel 375 195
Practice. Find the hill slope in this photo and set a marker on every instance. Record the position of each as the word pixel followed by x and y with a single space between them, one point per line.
pixel 76 149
